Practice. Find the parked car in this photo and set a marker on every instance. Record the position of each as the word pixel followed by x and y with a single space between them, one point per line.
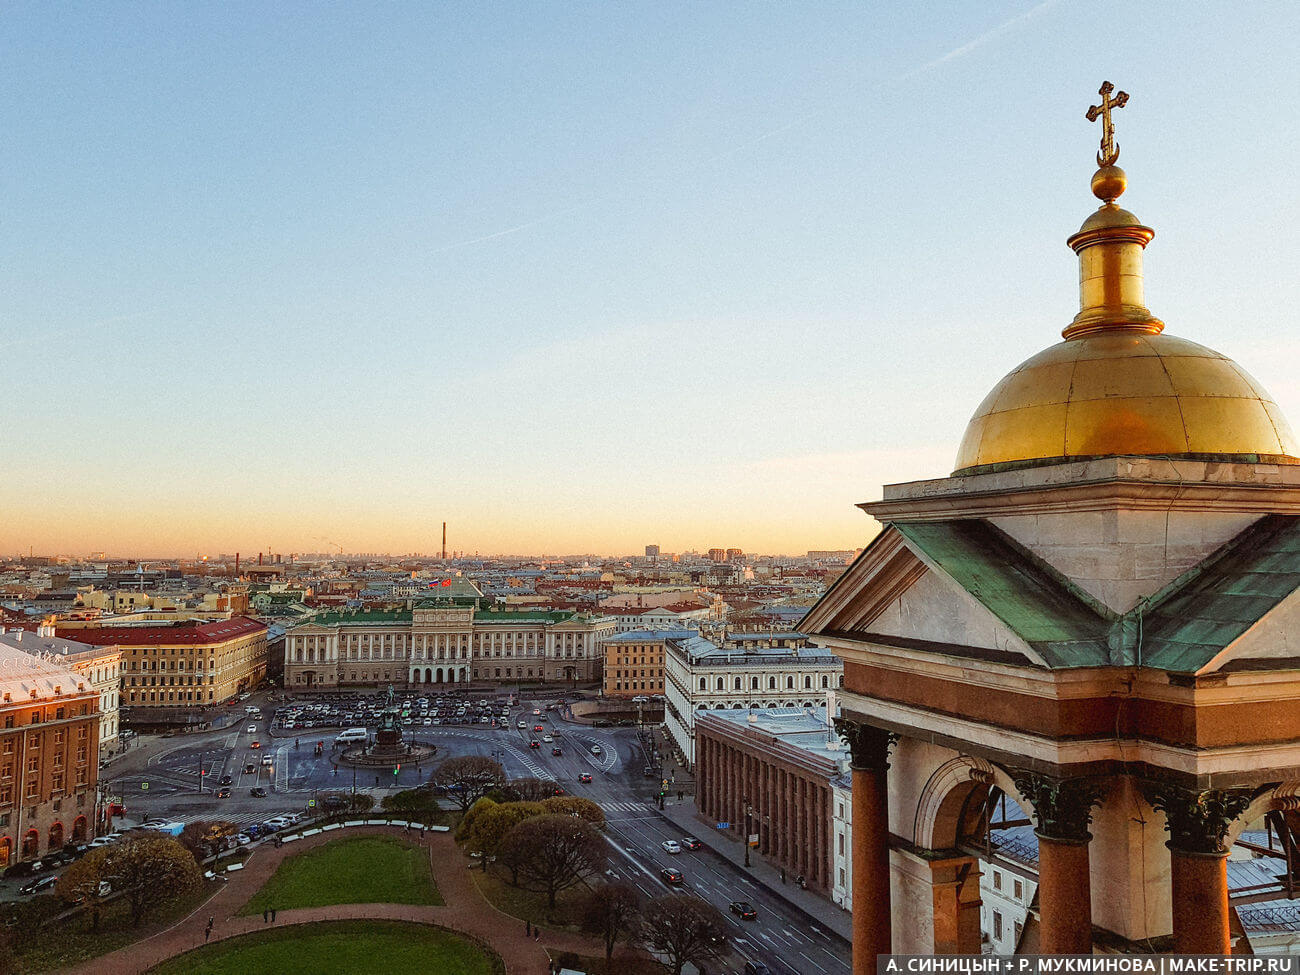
pixel 671 877
pixel 744 910
pixel 257 792
pixel 38 885
pixel 671 846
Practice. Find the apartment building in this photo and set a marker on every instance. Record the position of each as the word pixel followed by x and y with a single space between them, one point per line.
pixel 49 756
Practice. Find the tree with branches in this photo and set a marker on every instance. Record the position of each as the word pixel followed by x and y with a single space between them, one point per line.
pixel 489 829
pixel 552 853
pixel 682 929
pixel 82 883
pixel 578 806
pixel 612 912
pixel 528 790
pixel 467 778
pixel 151 873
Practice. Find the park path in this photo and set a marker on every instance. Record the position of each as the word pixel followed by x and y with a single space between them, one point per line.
pixel 465 910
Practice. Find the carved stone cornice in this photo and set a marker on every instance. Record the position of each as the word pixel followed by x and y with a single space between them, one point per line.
pixel 1062 808
pixel 868 744
pixel 1198 821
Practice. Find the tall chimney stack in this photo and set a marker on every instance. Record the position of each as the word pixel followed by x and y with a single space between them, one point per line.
pixel 259 558
pixel 444 541
pixel 236 565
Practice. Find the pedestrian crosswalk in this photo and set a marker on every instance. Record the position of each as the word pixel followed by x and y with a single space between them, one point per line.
pixel 630 807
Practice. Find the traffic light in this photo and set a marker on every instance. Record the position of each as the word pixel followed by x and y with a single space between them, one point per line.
pixel 396 769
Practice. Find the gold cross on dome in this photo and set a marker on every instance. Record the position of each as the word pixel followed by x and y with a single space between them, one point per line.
pixel 1109 151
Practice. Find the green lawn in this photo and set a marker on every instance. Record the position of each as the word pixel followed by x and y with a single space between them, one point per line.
pixel 339 948
pixel 364 870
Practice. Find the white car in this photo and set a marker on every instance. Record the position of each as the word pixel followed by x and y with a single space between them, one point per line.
pixel 522 724
pixel 252 729
pixel 671 846
pixel 547 738
pixel 243 839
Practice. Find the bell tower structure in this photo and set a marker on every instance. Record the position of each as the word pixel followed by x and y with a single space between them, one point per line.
pixel 1096 615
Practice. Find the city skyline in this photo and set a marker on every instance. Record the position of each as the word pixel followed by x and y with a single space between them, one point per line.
pixel 581 277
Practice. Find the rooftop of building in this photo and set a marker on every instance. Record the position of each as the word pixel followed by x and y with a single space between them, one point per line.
pixel 702 652
pixel 153 633
pixel 651 636
pixel 27 677
pixel 29 642
pixel 805 729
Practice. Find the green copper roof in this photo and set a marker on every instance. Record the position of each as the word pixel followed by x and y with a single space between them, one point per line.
pixel 361 616
pixel 524 616
pixel 1183 627
pixel 1039 605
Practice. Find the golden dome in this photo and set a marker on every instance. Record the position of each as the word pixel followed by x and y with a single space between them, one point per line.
pixel 1117 386
pixel 1126 392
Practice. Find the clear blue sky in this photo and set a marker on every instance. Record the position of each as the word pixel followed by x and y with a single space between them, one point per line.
pixel 579 277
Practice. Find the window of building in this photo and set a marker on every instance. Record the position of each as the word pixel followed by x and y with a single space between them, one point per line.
pixel 997 880
pixel 841 837
pixel 1019 927
pixel 1020 889
pixel 841 876
pixel 997 926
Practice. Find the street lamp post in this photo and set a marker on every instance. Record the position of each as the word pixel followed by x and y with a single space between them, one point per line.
pixel 748 809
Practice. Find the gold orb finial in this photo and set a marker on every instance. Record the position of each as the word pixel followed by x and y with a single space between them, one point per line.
pixel 1108 183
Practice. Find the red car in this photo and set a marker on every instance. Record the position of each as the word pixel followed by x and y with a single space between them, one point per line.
pixel 534 744
pixel 538 727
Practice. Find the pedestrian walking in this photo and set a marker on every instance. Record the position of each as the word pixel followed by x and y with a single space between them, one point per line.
pixel 783 875
pixel 273 915
pixel 207 933
pixel 537 934
pixel 266 915
pixel 212 919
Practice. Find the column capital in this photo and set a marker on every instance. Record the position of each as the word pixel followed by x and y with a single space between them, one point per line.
pixel 1062 808
pixel 868 745
pixel 1197 820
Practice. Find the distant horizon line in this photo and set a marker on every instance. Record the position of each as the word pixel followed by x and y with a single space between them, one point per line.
pixel 320 556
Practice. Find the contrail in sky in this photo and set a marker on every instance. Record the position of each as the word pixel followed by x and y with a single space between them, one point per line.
pixel 928 66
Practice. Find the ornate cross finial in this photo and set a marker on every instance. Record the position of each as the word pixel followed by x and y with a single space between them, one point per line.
pixel 1109 151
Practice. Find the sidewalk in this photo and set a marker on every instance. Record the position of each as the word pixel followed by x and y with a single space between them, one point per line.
pixel 465 910
pixel 821 911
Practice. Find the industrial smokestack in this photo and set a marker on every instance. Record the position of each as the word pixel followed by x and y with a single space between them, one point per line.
pixel 259 558
pixel 444 541
pixel 236 565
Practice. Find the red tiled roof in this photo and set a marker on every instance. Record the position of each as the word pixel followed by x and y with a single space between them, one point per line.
pixel 216 631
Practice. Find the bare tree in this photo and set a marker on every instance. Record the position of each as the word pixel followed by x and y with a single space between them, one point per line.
pixel 151 872
pixel 612 911
pixel 468 778
pixel 683 929
pixel 552 853
pixel 528 790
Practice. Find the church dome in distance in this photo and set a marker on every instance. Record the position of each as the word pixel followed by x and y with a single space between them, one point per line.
pixel 1117 386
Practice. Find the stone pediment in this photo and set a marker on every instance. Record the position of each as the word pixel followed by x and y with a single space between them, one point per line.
pixel 967 585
